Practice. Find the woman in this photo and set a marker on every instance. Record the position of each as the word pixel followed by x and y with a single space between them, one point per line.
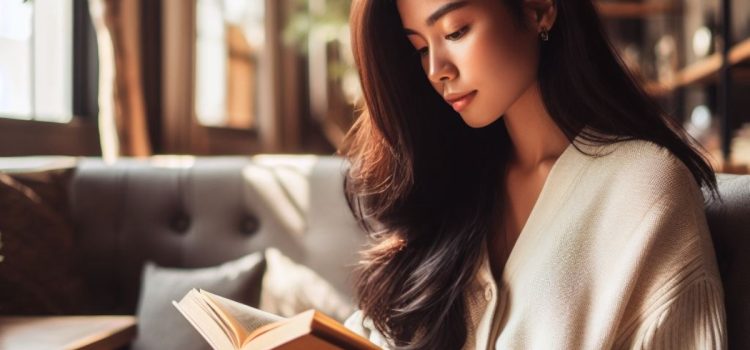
pixel 521 189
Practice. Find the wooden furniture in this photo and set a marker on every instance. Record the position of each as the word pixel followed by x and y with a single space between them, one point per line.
pixel 704 70
pixel 704 79
pixel 66 332
pixel 633 9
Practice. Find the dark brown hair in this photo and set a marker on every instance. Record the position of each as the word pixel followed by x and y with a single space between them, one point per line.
pixel 426 186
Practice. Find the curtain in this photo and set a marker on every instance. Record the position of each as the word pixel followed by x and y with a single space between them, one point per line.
pixel 123 129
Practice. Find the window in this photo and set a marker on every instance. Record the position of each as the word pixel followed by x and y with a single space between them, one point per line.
pixel 36 70
pixel 230 39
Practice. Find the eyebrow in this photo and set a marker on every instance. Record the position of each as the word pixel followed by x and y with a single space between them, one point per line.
pixel 440 12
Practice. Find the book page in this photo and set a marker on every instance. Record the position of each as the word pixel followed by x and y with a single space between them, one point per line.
pixel 204 323
pixel 218 316
pixel 244 319
pixel 282 334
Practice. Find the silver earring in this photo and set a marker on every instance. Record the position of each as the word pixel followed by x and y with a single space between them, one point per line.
pixel 544 34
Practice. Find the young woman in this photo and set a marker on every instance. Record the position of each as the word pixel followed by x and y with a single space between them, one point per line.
pixel 522 191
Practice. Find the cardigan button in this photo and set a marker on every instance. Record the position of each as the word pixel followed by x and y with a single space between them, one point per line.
pixel 488 293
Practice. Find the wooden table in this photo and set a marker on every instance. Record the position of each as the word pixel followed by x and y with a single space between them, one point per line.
pixel 66 332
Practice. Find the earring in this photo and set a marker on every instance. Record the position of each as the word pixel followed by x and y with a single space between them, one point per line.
pixel 544 34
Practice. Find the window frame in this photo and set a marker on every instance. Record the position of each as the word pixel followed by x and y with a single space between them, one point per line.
pixel 79 136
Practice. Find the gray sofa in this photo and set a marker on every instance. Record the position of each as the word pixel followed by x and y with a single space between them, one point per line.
pixel 193 212
pixel 196 212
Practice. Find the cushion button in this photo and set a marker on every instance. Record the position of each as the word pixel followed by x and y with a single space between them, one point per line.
pixel 181 223
pixel 249 225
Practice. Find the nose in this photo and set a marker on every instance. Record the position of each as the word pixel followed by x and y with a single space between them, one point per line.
pixel 440 68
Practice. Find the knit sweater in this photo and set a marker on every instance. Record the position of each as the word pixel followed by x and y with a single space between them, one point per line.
pixel 615 254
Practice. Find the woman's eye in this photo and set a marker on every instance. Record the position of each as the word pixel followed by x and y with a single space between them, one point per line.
pixel 457 34
pixel 452 36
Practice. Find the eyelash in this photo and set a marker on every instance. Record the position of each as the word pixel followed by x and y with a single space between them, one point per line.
pixel 452 36
pixel 459 32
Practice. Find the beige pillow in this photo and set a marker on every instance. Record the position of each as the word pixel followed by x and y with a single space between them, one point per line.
pixel 290 288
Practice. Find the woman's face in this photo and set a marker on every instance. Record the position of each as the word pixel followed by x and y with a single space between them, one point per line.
pixel 472 49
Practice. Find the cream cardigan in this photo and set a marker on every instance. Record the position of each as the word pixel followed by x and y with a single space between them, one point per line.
pixel 616 253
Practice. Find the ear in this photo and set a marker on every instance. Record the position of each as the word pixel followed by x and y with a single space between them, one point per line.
pixel 541 14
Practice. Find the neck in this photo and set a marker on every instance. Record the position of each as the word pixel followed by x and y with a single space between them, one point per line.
pixel 535 137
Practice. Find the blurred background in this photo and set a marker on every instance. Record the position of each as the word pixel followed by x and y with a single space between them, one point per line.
pixel 117 78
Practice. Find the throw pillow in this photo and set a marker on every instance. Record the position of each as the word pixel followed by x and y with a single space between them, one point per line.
pixel 51 185
pixel 161 326
pixel 38 271
pixel 290 288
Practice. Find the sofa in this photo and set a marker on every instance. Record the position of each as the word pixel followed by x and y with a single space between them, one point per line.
pixel 191 212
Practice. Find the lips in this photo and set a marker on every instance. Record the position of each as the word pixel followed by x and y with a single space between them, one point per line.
pixel 459 100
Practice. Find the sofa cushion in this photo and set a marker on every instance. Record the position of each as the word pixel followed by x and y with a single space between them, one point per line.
pixel 290 288
pixel 38 271
pixel 161 326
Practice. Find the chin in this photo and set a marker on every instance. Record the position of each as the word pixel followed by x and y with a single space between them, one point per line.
pixel 477 122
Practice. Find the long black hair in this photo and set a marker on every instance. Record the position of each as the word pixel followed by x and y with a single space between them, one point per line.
pixel 426 185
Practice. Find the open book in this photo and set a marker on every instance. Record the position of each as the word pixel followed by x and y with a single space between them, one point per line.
pixel 227 324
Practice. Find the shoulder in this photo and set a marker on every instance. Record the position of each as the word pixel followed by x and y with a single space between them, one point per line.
pixel 643 165
pixel 639 156
pixel 655 196
pixel 635 179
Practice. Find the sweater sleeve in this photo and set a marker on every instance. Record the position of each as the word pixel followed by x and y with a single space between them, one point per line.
pixel 362 325
pixel 694 319
pixel 679 297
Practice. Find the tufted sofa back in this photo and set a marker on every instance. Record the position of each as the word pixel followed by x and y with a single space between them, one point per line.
pixel 729 223
pixel 196 212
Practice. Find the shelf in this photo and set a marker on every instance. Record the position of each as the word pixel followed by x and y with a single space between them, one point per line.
pixel 631 9
pixel 702 71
